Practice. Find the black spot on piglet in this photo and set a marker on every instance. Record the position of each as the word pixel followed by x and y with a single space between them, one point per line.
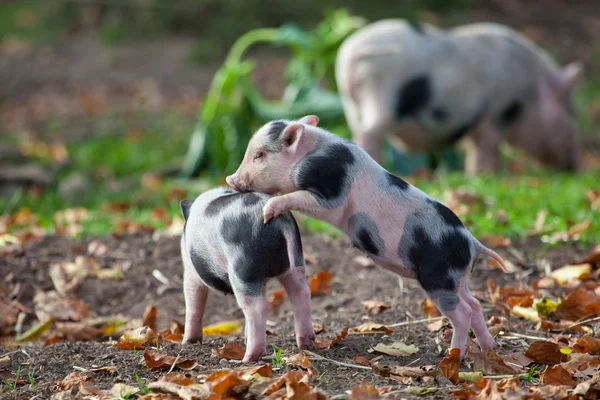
pixel 395 181
pixel 447 215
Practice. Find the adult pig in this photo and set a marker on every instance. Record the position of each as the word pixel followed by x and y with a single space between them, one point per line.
pixel 396 224
pixel 426 89
pixel 226 246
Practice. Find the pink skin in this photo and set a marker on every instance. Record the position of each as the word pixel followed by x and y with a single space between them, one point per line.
pixel 271 173
pixel 255 312
pixel 195 293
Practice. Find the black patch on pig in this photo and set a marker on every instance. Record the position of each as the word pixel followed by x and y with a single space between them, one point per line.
pixel 275 129
pixel 433 260
pixel 417 27
pixel 398 182
pixel 446 214
pixel 325 173
pixel 263 249
pixel 510 114
pixel 462 130
pixel 439 114
pixel 413 97
pixel 365 234
pixel 250 199
pixel 220 203
pixel 185 208
pixel 212 276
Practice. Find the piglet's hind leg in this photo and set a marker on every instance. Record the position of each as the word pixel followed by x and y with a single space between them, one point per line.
pixel 255 312
pixel 485 339
pixel 195 293
pixel 294 282
pixel 458 312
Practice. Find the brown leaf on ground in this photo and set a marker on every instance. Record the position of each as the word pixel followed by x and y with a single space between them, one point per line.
pixel 300 360
pixel 156 360
pixel 370 328
pixel 375 306
pixel 493 390
pixel 579 304
pixel 262 370
pixel 396 349
pixel 407 372
pixel 360 360
pixel 290 376
pixel 430 309
pixel 571 273
pixel 587 344
pixel 310 258
pixel 544 352
pixel 364 391
pixel 72 380
pixel 491 363
pixel 64 286
pixel 320 283
pixel 149 318
pixel 450 365
pixel 510 295
pixel 318 328
pixel 497 325
pixel 592 258
pixel 557 376
pixel 584 387
pixel 582 365
pixel 497 242
pixel 78 331
pixel 276 300
pixel 138 339
pixel 519 358
pixel 177 327
pixel 184 392
pixel 226 384
pixel 51 304
pixel 176 377
pixel 229 351
pixel 111 369
pixel 322 344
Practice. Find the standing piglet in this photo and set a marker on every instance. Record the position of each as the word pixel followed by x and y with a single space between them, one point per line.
pixel 396 224
pixel 226 246
pixel 425 89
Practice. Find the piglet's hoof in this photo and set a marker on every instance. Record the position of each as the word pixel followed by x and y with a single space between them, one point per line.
pixel 273 209
pixel 306 342
pixel 252 356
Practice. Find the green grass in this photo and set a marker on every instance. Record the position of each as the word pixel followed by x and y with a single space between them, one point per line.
pixel 37 21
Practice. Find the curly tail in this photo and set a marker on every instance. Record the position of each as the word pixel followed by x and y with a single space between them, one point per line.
pixel 495 256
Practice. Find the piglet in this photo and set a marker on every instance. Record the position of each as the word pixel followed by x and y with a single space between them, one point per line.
pixel 400 227
pixel 226 246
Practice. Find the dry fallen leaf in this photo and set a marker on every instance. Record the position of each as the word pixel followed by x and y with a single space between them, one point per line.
pixel 450 365
pixel 397 349
pixel 263 370
pixel 35 331
pixel 224 384
pixel 407 372
pixel 592 258
pixel 375 306
pixel 184 392
pixel 322 344
pixel 222 328
pixel 528 313
pixel 569 273
pixel 587 344
pixel 579 304
pixel 229 351
pixel 51 304
pixel 138 339
pixel 156 360
pixel 276 300
pixel 498 242
pixel 360 360
pixel 320 283
pixel 364 391
pixel 544 352
pixel 300 360
pixel 149 318
pixel 318 328
pixel 557 376
pixel 491 363
pixel 371 327
pixel 430 309
pixel 72 380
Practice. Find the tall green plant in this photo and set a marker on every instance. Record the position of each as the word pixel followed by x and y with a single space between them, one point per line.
pixel 234 108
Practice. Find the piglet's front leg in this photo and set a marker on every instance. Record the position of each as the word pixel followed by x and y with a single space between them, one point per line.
pixel 301 200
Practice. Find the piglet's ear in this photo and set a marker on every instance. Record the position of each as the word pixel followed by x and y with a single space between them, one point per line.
pixel 309 120
pixel 292 136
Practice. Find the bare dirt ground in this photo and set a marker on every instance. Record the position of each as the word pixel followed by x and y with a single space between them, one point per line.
pixel 27 272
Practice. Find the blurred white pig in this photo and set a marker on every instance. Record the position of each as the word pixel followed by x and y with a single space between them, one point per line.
pixel 425 89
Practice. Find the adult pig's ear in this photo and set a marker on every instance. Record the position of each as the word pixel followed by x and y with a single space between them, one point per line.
pixel 568 78
pixel 309 120
pixel 292 137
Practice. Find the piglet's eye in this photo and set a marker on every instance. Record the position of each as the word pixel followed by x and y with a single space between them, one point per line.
pixel 258 155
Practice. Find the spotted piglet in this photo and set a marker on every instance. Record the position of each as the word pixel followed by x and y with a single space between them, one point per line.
pixel 400 227
pixel 226 246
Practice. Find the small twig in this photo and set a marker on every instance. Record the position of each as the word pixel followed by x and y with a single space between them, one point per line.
pixel 417 321
pixel 412 362
pixel 504 376
pixel 315 356
pixel 80 369
pixel 173 365
pixel 518 335
pixel 585 321
pixel 9 353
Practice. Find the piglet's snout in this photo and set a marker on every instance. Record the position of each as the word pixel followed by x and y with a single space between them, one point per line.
pixel 234 182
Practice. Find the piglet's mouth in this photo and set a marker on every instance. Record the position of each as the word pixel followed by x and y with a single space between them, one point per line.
pixel 231 182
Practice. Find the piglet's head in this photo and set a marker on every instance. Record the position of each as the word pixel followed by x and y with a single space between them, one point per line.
pixel 271 155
